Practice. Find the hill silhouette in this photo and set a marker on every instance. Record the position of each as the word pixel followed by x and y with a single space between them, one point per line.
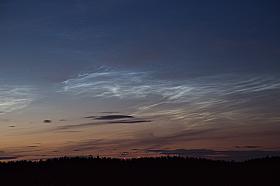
pixel 173 171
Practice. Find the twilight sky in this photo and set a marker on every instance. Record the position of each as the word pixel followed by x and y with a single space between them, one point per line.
pixel 129 78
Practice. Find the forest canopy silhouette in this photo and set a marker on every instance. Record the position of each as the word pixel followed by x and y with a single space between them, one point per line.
pixel 141 171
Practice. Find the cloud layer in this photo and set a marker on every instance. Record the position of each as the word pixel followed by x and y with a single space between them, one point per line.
pixel 111 117
pixel 106 84
pixel 13 98
pixel 198 100
pixel 105 120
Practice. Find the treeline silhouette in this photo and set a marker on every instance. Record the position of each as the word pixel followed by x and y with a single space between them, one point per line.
pixel 173 171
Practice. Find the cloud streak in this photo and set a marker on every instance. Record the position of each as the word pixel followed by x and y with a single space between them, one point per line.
pixel 106 120
pixel 128 84
pixel 106 84
pixel 14 98
pixel 110 117
pixel 225 97
pixel 4 156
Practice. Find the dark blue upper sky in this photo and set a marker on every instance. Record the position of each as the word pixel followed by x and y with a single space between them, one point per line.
pixel 52 40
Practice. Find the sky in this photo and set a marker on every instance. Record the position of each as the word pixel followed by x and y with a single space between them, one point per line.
pixel 131 78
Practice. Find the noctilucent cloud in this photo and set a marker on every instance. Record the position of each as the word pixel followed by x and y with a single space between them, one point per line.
pixel 148 78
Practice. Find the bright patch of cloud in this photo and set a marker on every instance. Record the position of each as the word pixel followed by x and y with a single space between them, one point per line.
pixel 13 98
pixel 201 99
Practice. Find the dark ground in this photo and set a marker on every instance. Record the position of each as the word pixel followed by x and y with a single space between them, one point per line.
pixel 145 172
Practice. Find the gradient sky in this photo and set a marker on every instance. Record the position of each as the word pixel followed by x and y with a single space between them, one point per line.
pixel 128 78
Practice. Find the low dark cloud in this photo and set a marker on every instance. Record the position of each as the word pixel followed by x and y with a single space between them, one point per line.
pixel 131 121
pixel 118 118
pixel 248 147
pixel 239 155
pixel 8 157
pixel 83 125
pixel 32 146
pixel 105 120
pixel 109 112
pixel 110 117
pixel 90 117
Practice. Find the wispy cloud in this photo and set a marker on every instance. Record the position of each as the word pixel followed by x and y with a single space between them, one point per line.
pixel 7 156
pixel 15 97
pixel 207 98
pixel 106 84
